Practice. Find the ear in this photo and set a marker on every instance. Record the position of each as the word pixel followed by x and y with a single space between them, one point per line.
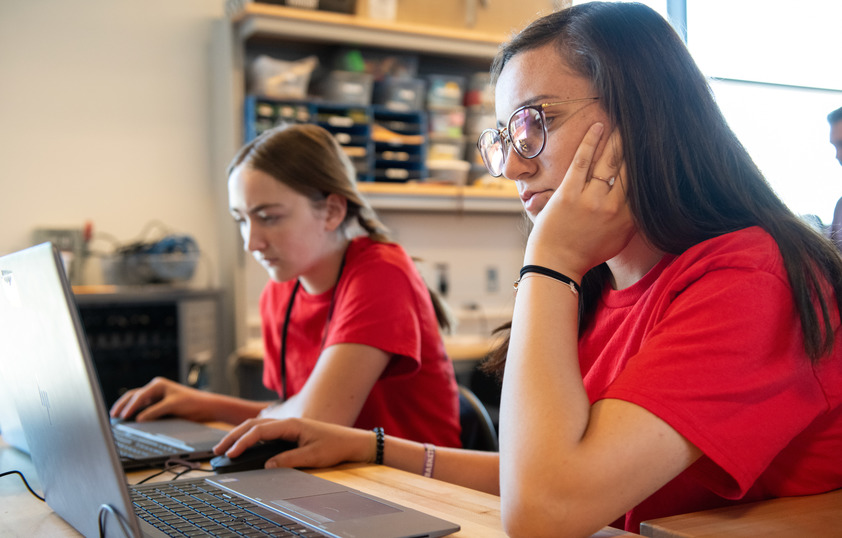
pixel 336 208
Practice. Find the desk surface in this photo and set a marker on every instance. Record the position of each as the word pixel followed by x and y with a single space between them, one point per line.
pixel 813 515
pixel 478 513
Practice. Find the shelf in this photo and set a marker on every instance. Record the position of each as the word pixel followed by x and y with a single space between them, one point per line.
pixel 435 197
pixel 291 24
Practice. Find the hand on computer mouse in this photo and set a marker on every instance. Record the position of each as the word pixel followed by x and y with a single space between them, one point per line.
pixel 253 457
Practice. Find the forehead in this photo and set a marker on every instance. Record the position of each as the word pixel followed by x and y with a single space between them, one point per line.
pixel 248 187
pixel 836 132
pixel 535 76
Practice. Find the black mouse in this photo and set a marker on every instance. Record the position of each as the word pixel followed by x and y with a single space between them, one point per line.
pixel 253 457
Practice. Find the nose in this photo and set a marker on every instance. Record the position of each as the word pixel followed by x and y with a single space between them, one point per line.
pixel 252 239
pixel 515 166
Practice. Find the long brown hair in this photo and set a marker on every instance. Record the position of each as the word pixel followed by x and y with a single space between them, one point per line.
pixel 689 178
pixel 309 160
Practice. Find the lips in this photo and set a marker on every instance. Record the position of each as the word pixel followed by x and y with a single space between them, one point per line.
pixel 533 201
pixel 266 261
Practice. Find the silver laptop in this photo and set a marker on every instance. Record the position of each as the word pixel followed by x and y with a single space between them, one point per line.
pixel 10 426
pixel 69 435
pixel 140 444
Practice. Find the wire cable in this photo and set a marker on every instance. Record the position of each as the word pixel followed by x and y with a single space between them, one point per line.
pixel 25 483
pixel 104 510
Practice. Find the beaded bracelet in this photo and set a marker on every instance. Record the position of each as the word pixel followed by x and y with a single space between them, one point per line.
pixel 429 459
pixel 378 458
pixel 544 271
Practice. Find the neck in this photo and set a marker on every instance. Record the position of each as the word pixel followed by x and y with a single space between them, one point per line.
pixel 326 273
pixel 633 262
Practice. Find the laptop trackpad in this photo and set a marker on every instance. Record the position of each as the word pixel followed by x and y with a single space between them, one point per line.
pixel 340 506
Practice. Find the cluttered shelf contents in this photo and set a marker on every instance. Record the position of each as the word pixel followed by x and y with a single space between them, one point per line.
pixel 406 110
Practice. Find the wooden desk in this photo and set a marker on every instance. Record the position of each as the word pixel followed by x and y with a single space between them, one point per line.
pixel 813 515
pixel 477 513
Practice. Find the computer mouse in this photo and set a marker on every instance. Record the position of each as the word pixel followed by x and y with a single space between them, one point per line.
pixel 253 457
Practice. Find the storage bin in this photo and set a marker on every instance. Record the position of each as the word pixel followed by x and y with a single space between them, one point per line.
pixel 281 79
pixel 445 90
pixel 479 118
pixel 398 175
pixel 339 6
pixel 347 87
pixel 447 121
pixel 480 92
pixel 446 148
pixel 448 171
pixel 400 94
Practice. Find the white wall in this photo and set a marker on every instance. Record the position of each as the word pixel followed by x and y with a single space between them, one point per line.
pixel 104 116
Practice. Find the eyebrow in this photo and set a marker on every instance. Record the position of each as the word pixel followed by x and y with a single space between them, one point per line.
pixel 532 101
pixel 256 209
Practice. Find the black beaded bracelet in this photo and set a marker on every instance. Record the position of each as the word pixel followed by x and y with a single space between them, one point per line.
pixel 378 458
pixel 574 286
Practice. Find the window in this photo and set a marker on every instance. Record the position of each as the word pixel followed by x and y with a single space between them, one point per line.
pixel 775 78
pixel 774 74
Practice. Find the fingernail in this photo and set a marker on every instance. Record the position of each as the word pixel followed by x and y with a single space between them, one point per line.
pixel 599 127
pixel 271 464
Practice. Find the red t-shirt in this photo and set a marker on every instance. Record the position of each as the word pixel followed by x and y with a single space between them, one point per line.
pixel 710 341
pixel 381 301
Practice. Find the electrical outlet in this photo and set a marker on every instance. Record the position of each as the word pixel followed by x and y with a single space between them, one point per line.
pixel 492 280
pixel 442 279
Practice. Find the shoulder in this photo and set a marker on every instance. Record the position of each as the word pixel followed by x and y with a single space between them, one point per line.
pixel 368 254
pixel 749 248
pixel 372 265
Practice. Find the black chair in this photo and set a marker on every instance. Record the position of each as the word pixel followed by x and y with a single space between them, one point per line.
pixel 478 432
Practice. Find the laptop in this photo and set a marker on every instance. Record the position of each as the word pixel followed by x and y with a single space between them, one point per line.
pixel 68 432
pixel 10 427
pixel 140 444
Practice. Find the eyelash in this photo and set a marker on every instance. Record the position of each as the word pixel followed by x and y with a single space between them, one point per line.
pixel 263 219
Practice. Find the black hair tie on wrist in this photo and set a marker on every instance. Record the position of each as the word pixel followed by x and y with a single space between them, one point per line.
pixel 378 459
pixel 574 286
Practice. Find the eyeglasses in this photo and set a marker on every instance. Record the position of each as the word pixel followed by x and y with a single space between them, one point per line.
pixel 526 130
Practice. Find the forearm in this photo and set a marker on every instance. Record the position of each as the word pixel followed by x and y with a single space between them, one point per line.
pixel 470 468
pixel 233 410
pixel 545 409
pixel 297 406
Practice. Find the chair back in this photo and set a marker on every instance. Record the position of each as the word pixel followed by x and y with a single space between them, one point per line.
pixel 478 432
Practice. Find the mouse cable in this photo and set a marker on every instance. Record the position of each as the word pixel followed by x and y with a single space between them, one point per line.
pixel 25 483
pixel 170 465
pixel 104 510
pixel 185 471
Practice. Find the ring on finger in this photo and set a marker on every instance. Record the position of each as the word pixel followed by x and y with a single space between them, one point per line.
pixel 609 181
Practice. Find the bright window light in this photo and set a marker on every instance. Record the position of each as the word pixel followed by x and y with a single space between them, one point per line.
pixel 778 82
pixel 785 131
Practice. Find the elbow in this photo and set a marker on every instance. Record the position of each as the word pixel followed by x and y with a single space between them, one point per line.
pixel 534 516
pixel 529 516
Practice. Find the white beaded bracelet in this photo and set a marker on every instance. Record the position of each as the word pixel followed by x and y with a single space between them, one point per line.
pixel 429 459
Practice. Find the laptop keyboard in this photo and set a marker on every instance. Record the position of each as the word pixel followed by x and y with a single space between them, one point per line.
pixel 134 447
pixel 196 508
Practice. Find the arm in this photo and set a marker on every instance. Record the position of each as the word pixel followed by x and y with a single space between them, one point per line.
pixel 565 463
pixel 323 445
pixel 338 387
pixel 161 397
pixel 335 392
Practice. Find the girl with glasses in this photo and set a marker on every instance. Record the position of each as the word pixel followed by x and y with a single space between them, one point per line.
pixel 350 331
pixel 675 343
